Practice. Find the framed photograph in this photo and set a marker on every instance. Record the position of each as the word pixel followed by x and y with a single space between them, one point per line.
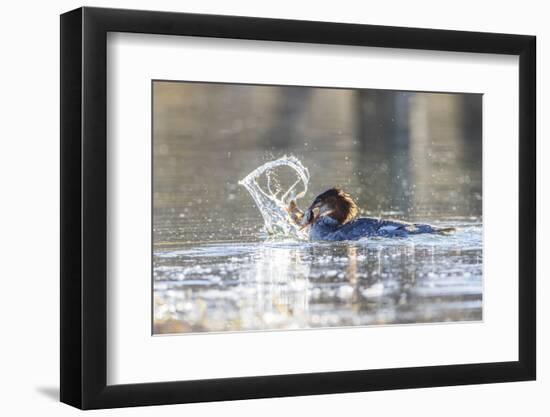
pixel 257 208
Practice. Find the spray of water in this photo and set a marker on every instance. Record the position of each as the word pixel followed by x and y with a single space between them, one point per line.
pixel 272 198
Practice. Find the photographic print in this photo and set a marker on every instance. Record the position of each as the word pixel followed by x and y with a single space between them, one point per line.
pixel 295 207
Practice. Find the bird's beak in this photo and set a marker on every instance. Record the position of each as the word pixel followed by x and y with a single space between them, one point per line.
pixel 310 216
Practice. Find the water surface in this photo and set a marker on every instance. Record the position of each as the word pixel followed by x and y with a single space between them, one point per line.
pixel 263 284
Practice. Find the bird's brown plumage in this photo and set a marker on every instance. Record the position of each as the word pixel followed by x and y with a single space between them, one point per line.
pixel 337 204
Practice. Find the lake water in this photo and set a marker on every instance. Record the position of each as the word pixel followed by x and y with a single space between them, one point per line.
pixel 216 269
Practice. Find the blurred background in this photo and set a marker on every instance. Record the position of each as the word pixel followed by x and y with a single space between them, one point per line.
pixel 410 155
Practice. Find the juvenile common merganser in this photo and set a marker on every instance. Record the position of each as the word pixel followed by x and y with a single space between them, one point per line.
pixel 333 216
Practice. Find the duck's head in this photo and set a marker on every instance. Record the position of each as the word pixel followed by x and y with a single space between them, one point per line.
pixel 335 203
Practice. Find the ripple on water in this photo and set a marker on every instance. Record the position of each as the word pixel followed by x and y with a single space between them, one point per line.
pixel 286 283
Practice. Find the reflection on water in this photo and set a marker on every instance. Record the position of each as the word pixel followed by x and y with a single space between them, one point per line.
pixel 415 156
pixel 290 285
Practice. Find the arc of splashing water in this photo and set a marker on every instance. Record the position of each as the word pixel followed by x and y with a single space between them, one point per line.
pixel 290 161
pixel 273 208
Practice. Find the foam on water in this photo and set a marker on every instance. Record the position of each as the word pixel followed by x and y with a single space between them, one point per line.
pixel 272 199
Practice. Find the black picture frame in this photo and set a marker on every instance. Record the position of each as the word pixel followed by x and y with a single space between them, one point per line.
pixel 84 207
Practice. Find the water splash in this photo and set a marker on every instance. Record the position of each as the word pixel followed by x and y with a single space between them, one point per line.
pixel 272 198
